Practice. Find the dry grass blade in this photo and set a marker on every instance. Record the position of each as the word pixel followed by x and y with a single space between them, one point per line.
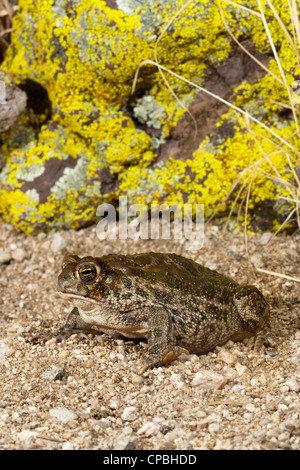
pixel 274 50
pixel 7 9
pixel 272 273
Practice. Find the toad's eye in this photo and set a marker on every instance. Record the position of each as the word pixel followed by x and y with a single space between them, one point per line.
pixel 88 273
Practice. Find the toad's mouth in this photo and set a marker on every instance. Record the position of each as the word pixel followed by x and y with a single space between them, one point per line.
pixel 70 296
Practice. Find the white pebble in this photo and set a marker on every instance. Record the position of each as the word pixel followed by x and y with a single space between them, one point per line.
pixel 292 385
pixel 129 414
pixel 265 238
pixel 19 254
pixel 213 428
pixel 257 260
pixel 148 429
pixel 114 404
pixel 227 357
pixel 58 243
pixel 63 414
pixel 207 380
pixel 27 434
pixel 28 438
pixel 67 446
pixel 5 257
pixel 241 370
pixel 282 407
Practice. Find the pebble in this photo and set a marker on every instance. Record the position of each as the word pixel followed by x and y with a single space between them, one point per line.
pixel 293 385
pixel 27 437
pixel 53 374
pixel 213 428
pixel 257 260
pixel 148 429
pixel 5 257
pixel 227 357
pixel 114 404
pixel 19 254
pixel 241 370
pixel 123 442
pixel 129 413
pixel 67 446
pixel 63 414
pixel 264 239
pixel 207 380
pixel 58 243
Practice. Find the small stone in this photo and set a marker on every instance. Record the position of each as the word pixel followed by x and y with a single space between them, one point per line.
pixel 19 254
pixel 129 414
pixel 257 260
pixel 53 374
pixel 58 243
pixel 271 353
pixel 293 385
pixel 28 438
pixel 265 238
pixel 105 423
pixel 67 446
pixel 114 404
pixel 5 257
pixel 63 414
pixel 241 370
pixel 227 357
pixel 213 428
pixel 207 380
pixel 123 442
pixel 165 429
pixel 148 429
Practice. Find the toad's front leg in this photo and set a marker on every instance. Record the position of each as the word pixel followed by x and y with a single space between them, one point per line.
pixel 162 348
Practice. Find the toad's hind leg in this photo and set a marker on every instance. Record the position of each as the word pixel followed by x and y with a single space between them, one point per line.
pixel 162 348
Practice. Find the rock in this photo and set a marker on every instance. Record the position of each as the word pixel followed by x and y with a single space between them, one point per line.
pixel 28 438
pixel 227 357
pixel 114 404
pixel 241 369
pixel 148 429
pixel 63 414
pixel 5 257
pixel 58 243
pixel 19 254
pixel 293 385
pixel 207 380
pixel 67 446
pixel 123 442
pixel 53 374
pixel 213 428
pixel 264 239
pixel 257 260
pixel 69 160
pixel 129 413
pixel 12 101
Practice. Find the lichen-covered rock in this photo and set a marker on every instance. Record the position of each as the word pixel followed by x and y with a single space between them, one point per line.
pixel 90 138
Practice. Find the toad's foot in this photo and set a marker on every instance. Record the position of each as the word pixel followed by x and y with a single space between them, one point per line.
pixel 169 357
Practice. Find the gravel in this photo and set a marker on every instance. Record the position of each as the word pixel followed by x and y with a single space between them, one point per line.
pixel 64 390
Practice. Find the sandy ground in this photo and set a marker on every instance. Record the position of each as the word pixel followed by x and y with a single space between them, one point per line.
pixel 76 391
